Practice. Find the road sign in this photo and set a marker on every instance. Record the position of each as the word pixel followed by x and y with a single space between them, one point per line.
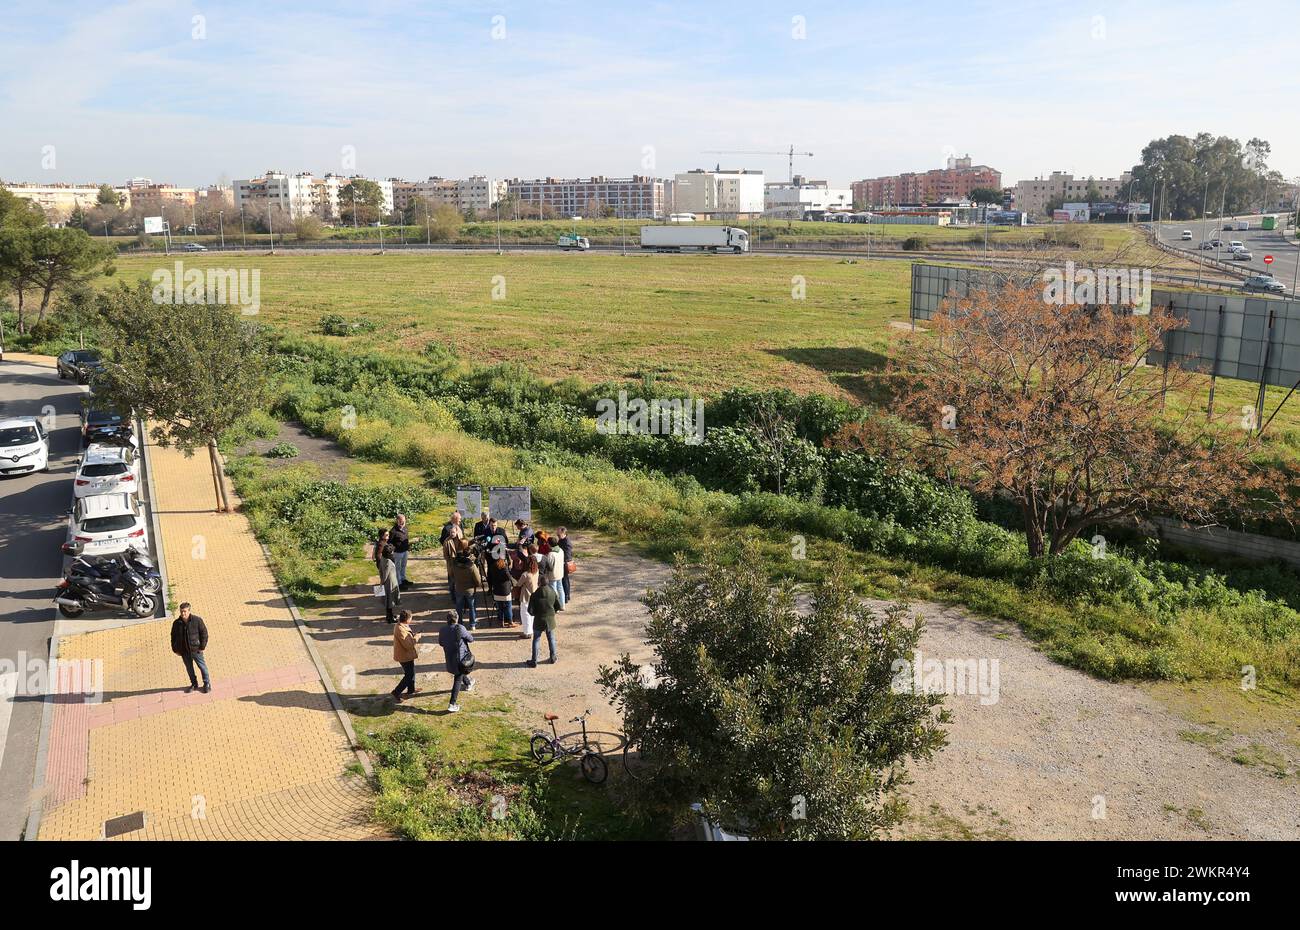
pixel 1268 259
pixel 153 224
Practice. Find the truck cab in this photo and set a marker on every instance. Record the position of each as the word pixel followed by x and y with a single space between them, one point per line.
pixel 571 241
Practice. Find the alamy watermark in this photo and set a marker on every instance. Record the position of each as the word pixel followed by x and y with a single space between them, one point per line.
pixel 1091 287
pixel 240 287
pixel 655 417
pixel 919 675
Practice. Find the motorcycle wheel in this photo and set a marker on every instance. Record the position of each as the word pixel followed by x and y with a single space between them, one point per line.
pixel 153 586
pixel 70 611
pixel 142 605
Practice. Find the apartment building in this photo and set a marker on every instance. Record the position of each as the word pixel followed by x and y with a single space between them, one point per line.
pixel 953 182
pixel 1032 197
pixel 800 199
pixel 732 193
pixel 302 194
pixel 152 198
pixel 639 196
pixel 476 193
pixel 58 201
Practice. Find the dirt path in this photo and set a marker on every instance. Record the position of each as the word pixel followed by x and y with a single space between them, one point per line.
pixel 1037 763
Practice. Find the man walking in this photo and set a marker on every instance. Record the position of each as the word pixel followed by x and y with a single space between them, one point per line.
pixel 400 539
pixel 189 639
pixel 388 579
pixel 454 640
pixel 542 605
pixel 405 652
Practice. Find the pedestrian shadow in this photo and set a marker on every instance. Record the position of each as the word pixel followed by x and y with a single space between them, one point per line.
pixel 305 700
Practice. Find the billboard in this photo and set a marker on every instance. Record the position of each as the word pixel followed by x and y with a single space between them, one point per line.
pixel 1078 212
pixel 1247 338
pixel 469 500
pixel 511 503
pixel 153 224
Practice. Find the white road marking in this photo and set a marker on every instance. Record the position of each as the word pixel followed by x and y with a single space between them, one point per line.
pixel 8 686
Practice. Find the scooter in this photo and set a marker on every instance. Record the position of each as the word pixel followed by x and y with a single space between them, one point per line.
pixel 77 594
pixel 112 567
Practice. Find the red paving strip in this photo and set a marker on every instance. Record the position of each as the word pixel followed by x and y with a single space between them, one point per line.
pixel 65 774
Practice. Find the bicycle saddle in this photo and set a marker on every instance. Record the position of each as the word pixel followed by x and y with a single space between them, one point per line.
pixel 552 716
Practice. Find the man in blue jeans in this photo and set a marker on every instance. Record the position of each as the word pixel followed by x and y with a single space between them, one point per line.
pixel 542 606
pixel 454 640
pixel 189 639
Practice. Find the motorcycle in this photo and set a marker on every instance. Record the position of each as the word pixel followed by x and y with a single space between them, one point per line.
pixel 112 567
pixel 77 594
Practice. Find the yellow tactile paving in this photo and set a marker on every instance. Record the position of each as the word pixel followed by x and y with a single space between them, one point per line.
pixel 270 764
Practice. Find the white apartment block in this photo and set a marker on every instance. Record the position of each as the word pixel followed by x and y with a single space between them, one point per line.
pixel 637 197
pixel 734 193
pixel 301 194
pixel 476 193
pixel 1033 196
pixel 800 199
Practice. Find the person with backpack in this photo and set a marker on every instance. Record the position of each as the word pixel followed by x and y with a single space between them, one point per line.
pixel 454 640
pixel 502 587
pixel 405 651
pixel 542 605
pixel 466 578
pixel 189 640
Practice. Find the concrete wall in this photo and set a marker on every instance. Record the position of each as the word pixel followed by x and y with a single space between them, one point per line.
pixel 1218 539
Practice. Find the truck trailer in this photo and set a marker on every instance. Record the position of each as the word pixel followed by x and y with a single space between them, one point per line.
pixel 694 238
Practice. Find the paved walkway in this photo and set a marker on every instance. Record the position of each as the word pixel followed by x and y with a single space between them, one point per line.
pixel 263 756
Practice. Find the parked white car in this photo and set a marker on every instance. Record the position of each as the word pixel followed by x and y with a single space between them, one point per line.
pixel 24 446
pixel 105 524
pixel 105 469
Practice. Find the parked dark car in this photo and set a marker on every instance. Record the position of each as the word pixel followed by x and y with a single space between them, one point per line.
pixel 100 422
pixel 79 364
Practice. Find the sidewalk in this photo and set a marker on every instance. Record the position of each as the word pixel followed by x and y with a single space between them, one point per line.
pixel 263 756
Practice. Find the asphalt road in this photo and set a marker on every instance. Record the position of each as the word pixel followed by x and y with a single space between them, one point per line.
pixel 1260 242
pixel 33 524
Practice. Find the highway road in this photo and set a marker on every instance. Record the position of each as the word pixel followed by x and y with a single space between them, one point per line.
pixel 33 524
pixel 1260 242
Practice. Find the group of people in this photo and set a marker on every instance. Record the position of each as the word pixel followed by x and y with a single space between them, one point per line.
pixel 535 571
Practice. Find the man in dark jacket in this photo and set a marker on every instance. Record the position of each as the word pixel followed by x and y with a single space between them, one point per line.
pixel 399 537
pixel 481 527
pixel 542 605
pixel 454 640
pixel 189 639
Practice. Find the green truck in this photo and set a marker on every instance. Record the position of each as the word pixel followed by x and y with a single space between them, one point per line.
pixel 1268 222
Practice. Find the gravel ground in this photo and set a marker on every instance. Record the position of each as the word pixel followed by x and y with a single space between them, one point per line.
pixel 1054 750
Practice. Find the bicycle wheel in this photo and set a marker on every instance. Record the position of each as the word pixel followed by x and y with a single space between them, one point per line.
pixel 543 749
pixel 594 768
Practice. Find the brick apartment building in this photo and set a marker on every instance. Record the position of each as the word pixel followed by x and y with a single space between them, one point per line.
pixel 955 182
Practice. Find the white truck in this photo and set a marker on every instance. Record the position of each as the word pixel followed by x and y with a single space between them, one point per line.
pixel 676 238
pixel 570 241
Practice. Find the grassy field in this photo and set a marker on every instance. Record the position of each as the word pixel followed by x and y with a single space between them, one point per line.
pixel 698 323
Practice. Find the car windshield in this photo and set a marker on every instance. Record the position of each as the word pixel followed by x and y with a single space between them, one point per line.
pixel 85 355
pixel 18 436
pixel 104 416
pixel 103 470
pixel 121 521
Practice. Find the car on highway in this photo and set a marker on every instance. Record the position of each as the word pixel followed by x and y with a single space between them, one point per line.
pixel 1235 244
pixel 106 469
pixel 104 524
pixel 1243 224
pixel 24 446
pixel 79 364
pixel 1210 244
pixel 1263 283
pixel 1240 255
pixel 1186 235
pixel 193 247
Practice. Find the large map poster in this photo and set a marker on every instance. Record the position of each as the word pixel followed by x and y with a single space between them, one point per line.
pixel 511 504
pixel 469 501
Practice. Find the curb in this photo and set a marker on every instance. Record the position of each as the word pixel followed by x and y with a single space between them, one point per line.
pixel 324 674
pixel 37 806
pixel 155 529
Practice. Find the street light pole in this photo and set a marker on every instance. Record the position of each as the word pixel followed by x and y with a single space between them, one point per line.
pixel 243 236
pixel 1204 231
pixel 270 225
pixel 221 227
pixel 498 227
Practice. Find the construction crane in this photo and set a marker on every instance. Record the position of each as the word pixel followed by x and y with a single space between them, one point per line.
pixel 790 155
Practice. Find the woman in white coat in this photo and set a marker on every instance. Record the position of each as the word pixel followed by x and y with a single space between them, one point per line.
pixel 528 581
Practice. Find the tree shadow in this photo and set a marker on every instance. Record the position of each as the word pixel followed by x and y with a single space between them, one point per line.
pixel 848 368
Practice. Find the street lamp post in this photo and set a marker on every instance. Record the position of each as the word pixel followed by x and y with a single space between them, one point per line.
pixel 1204 231
pixel 270 225
pixel 221 227
pixel 243 236
pixel 498 227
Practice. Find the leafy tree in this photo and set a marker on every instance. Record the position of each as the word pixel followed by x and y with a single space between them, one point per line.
pixel 191 370
pixel 308 228
pixel 779 723
pixel 107 197
pixel 62 258
pixel 1050 406
pixel 444 222
pixel 1189 173
pixel 986 195
pixel 77 218
pixel 361 202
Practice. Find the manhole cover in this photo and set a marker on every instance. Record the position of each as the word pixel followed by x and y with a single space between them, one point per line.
pixel 127 823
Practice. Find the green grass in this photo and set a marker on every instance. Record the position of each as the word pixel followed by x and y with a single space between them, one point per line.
pixel 470 777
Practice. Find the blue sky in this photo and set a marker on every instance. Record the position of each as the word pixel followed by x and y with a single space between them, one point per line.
pixel 142 88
